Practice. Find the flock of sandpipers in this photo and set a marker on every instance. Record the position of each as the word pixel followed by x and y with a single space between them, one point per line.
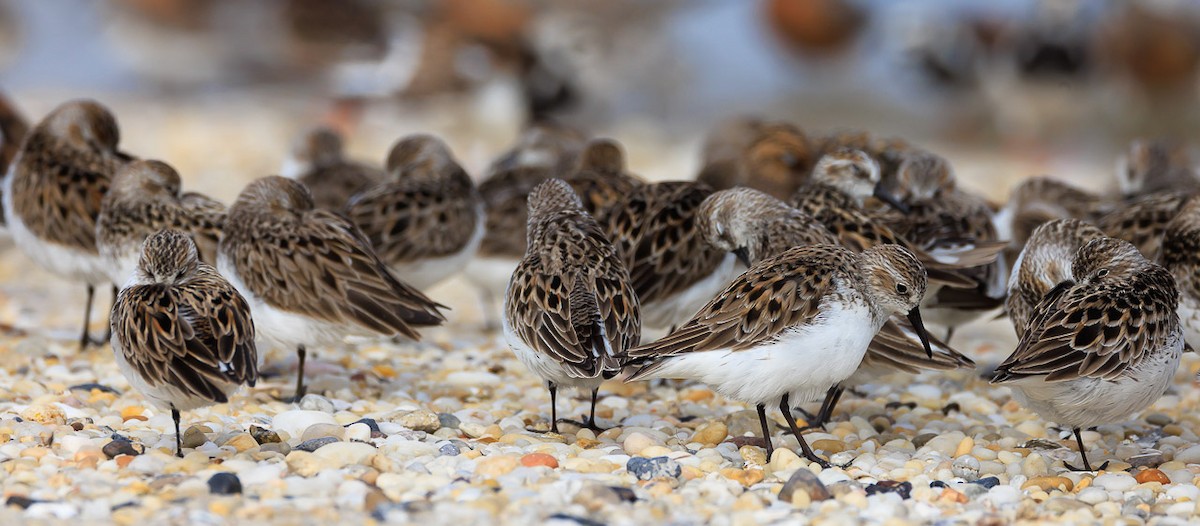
pixel 794 267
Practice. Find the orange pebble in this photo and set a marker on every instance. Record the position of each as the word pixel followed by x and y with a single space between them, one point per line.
pixel 124 460
pixel 132 412
pixel 1152 475
pixel 539 459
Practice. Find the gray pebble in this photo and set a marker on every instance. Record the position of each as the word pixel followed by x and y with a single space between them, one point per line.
pixel 449 450
pixel 316 443
pixel 804 480
pixel 315 402
pixel 448 421
pixel 224 484
pixel 652 468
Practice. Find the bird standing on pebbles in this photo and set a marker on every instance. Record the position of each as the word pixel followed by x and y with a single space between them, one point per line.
pixel 309 274
pixel 317 161
pixel 54 190
pixel 790 328
pixel 144 198
pixel 427 222
pixel 570 310
pixel 182 335
pixel 1100 347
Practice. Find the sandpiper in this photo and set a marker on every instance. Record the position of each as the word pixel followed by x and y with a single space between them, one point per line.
pixel 145 197
pixel 790 328
pixel 310 275
pixel 182 335
pixel 1100 347
pixel 317 161
pixel 1181 256
pixel 1045 262
pixel 53 194
pixel 569 310
pixel 427 222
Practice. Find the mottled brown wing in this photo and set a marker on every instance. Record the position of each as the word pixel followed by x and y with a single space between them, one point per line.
pixel 600 192
pixel 333 186
pixel 1144 221
pixel 61 201
pixel 898 347
pixel 776 293
pixel 408 222
pixel 655 232
pixel 193 337
pixel 1084 331
pixel 204 218
pixel 570 298
pixel 323 267
pixel 504 195
pixel 1181 251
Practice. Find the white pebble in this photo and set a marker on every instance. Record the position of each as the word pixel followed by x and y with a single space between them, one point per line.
pixel 1190 455
pixel 345 453
pixel 359 431
pixel 294 422
pixel 1093 495
pixel 1003 495
pixel 1114 481
pixel 1182 491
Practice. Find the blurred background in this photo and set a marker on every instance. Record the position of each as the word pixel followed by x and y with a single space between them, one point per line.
pixel 1003 89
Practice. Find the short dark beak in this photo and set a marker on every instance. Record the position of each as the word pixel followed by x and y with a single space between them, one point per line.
pixel 914 317
pixel 890 199
pixel 743 255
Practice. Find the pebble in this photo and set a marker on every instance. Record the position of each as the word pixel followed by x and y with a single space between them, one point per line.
pixel 316 431
pixel 316 402
pixel 1158 419
pixel 294 422
pixel 653 468
pixel 966 467
pixel 45 414
pixel 1152 475
pixel 495 466
pixel 805 481
pixel 242 442
pixel 903 489
pixel 711 433
pixel 315 444
pixel 345 453
pixel 1092 495
pixel 448 421
pixel 1048 484
pixel 194 437
pixel 224 484
pixel 420 421
pixel 1190 455
pixel 539 459
pixel 263 435
pixel 636 442
pixel 121 447
pixel 449 450
pixel 1114 481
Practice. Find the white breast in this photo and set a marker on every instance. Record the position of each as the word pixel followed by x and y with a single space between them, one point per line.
pixel 681 306
pixel 425 273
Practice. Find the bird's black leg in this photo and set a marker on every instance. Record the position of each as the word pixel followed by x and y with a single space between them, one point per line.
pixel 591 423
pixel 553 406
pixel 831 399
pixel 108 326
pixel 808 452
pixel 762 419
pixel 949 334
pixel 178 435
pixel 1087 466
pixel 301 354
pixel 86 338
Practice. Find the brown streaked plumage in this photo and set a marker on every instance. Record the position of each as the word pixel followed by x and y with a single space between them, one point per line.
pixel 310 275
pixel 1143 220
pixel 13 128
pixel 146 197
pixel 834 197
pixel 427 222
pixel 1102 346
pixel 756 226
pixel 546 145
pixel 1045 262
pixel 1181 257
pixel 1154 166
pixel 795 324
pixel 54 190
pixel 671 266
pixel 774 157
pixel 182 335
pixel 570 309
pixel 317 161
pixel 601 179
pixel 1041 199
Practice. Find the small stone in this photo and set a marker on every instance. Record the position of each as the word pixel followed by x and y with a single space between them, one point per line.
pixel 753 456
pixel 449 450
pixel 358 432
pixel 539 459
pixel 595 497
pixel 263 435
pixel 950 496
pixel 133 412
pixel 745 477
pixel 48 414
pixel 920 440
pixel 845 487
pixel 1146 459
pixel 830 447
pixel 1158 419
pixel 1152 475
pixel 711 433
pixel 296 421
pixel 784 459
pixel 1049 484
pixel 448 421
pixel 420 421
pixel 1063 505
pixel 1040 443
pixel 323 431
pixel 194 437
pixel 1191 455
pixel 472 429
pixel 1092 495
pixel 20 501
pixel 964 447
pixel 496 465
pixel 242 442
pixel 371 424
pixel 805 481
pixel 345 453
pixel 304 463
pixel 652 468
pixel 988 482
pixel 316 402
pixel 1114 481
pixel 636 442
pixel 316 443
pixel 224 484
pixel 278 447
pixel 966 467
pixel 121 446
pixel 904 489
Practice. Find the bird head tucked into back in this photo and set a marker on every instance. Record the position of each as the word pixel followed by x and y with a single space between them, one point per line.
pixel 168 257
pixel 318 147
pixel 735 220
pixel 551 196
pixel 419 155
pixel 145 178
pixel 85 125
pixel 853 173
pixel 1108 260
pixel 923 176
pixel 602 155
pixel 272 195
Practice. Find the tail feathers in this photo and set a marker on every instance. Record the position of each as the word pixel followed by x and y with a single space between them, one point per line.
pixel 589 328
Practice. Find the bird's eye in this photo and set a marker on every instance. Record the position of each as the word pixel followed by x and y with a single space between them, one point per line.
pixel 901 288
pixel 1101 273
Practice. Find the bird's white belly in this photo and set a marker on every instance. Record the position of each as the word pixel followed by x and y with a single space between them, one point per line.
pixel 70 263
pixel 1088 402
pixel 544 366
pixel 1189 318
pixel 492 273
pixel 681 306
pixel 804 362
pixel 425 273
